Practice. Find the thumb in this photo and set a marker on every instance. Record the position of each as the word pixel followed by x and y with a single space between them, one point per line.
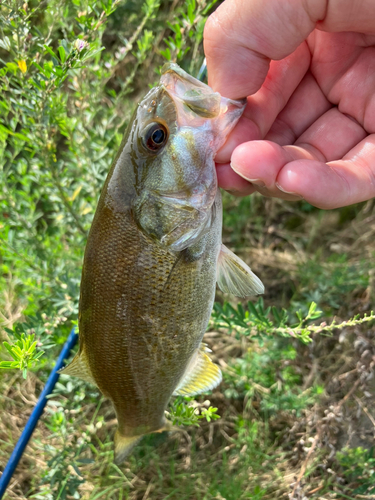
pixel 241 37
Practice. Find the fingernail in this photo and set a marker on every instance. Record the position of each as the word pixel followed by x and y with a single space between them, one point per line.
pixel 256 182
pixel 288 192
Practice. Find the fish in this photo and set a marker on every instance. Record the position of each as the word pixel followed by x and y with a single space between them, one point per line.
pixel 153 256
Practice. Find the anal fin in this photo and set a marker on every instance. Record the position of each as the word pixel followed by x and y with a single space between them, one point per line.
pixel 79 367
pixel 201 375
pixel 236 277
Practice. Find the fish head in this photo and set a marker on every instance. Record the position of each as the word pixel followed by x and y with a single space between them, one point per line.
pixel 177 130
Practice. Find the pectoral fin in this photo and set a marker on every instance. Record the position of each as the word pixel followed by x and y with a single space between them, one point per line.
pixel 200 376
pixel 79 367
pixel 236 277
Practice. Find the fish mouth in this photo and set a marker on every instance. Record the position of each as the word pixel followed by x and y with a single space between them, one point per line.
pixel 197 102
pixel 196 95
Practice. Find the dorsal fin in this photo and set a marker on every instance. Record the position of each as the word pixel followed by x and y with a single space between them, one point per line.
pixel 201 375
pixel 236 277
pixel 79 367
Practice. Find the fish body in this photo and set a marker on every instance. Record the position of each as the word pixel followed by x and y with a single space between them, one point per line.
pixel 153 257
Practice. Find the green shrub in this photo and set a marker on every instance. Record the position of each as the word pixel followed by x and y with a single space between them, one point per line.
pixel 359 468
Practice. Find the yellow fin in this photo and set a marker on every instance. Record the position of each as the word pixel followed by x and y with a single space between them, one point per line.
pixel 124 445
pixel 79 367
pixel 200 376
pixel 236 277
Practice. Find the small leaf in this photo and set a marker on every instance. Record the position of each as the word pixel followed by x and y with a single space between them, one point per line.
pixel 166 54
pixel 32 347
pixel 15 134
pixel 5 43
pixel 62 53
pixel 241 311
pixel 9 348
pixel 76 470
pixel 8 364
pixel 276 314
pixel 252 309
pixel 85 461
pixel 13 67
pixel 50 51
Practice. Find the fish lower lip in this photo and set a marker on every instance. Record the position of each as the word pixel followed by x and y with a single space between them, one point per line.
pixel 191 201
pixel 178 195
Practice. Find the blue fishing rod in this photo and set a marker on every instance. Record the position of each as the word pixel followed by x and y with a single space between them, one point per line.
pixel 36 414
pixel 51 382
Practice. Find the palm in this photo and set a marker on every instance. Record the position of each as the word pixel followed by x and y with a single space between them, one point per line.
pixel 343 65
pixel 317 105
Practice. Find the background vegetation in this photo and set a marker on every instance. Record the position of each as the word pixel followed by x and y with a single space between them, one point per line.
pixel 296 404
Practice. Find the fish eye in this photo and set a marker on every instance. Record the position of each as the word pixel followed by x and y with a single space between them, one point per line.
pixel 155 137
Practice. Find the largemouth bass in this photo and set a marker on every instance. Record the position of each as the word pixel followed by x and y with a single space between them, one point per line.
pixel 153 257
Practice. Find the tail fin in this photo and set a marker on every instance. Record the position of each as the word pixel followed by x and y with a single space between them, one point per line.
pixel 123 446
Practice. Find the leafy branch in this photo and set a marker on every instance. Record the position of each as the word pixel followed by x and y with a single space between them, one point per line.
pixel 325 328
pixel 24 352
pixel 257 321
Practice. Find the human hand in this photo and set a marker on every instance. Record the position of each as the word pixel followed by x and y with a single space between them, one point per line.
pixel 308 130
